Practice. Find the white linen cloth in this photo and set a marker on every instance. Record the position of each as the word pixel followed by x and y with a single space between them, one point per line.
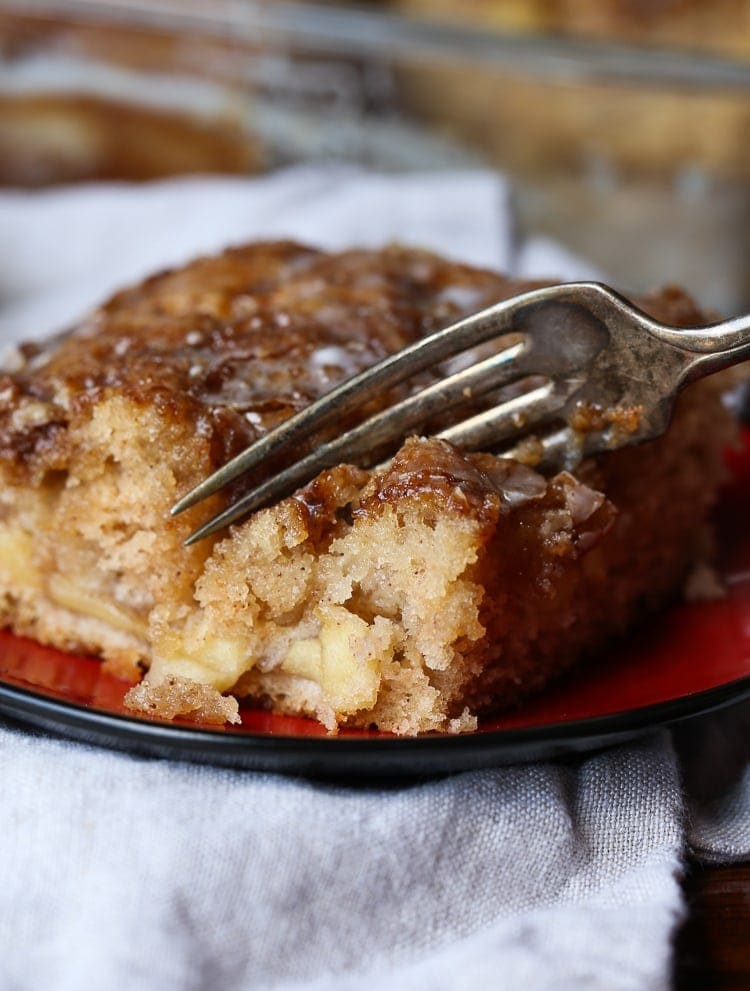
pixel 125 873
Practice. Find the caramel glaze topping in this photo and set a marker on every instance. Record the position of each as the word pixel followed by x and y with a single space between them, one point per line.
pixel 478 484
pixel 235 343
pixel 239 341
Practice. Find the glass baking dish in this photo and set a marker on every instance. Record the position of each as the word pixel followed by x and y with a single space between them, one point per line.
pixel 625 139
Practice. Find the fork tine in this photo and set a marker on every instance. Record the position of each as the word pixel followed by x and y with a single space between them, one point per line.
pixel 531 409
pixel 428 351
pixel 562 449
pixel 381 428
pixel 391 423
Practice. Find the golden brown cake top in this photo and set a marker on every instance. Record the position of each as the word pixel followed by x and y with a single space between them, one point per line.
pixel 237 342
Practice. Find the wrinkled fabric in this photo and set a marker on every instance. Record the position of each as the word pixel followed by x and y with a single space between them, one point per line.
pixel 152 874
pixel 715 758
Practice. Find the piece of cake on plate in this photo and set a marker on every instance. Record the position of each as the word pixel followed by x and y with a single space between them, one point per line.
pixel 412 598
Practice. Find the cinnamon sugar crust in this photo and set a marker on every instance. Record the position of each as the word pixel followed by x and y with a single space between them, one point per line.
pixel 411 598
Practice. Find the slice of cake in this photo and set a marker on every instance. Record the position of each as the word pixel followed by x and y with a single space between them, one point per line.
pixel 411 598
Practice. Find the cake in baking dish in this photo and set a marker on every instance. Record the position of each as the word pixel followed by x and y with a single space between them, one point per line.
pixel 411 597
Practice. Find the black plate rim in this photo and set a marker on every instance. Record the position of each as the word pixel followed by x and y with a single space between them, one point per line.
pixel 325 755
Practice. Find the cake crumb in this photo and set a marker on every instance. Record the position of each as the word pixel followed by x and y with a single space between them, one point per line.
pixel 465 723
pixel 185 698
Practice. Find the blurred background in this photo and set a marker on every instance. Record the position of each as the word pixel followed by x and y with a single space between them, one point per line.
pixel 623 124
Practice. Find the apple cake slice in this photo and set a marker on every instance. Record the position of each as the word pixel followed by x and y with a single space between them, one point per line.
pixel 412 597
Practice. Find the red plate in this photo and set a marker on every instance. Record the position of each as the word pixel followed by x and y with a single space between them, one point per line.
pixel 691 659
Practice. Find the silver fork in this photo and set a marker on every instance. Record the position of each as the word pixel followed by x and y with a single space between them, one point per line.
pixel 599 374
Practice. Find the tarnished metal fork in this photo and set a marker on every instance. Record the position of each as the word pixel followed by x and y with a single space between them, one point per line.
pixel 600 374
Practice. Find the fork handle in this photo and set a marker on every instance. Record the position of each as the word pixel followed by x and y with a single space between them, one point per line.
pixel 716 346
